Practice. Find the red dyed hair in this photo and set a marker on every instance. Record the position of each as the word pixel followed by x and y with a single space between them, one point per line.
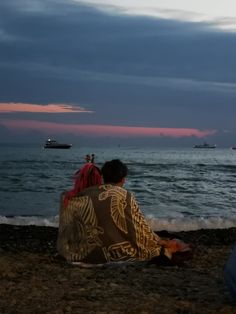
pixel 88 175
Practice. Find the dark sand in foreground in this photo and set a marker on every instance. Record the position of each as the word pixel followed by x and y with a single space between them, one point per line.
pixel 34 279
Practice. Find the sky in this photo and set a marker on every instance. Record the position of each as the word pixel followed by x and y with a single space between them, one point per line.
pixel 117 71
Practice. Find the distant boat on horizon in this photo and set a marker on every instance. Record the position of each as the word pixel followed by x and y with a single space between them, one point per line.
pixel 50 143
pixel 204 145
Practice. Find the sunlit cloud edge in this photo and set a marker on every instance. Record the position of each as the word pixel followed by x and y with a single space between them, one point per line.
pixel 97 130
pixel 37 108
pixel 223 23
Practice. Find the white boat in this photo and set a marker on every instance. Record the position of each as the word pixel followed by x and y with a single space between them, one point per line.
pixel 204 145
pixel 54 144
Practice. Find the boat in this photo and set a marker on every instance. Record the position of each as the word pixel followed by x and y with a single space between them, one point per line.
pixel 204 145
pixel 233 147
pixel 54 144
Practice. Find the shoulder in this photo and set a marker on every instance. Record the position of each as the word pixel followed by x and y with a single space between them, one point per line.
pixel 92 190
pixel 113 190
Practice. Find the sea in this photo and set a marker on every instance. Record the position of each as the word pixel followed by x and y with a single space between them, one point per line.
pixel 177 189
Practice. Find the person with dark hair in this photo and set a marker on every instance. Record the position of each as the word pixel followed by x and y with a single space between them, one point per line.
pixel 104 224
pixel 114 171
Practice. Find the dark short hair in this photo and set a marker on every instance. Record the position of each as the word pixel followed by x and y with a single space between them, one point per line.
pixel 114 171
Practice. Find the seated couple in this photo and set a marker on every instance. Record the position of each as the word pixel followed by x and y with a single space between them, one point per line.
pixel 103 223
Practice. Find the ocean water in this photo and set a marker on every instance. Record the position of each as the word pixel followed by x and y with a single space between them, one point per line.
pixel 176 188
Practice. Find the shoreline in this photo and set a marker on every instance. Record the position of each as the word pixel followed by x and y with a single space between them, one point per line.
pixel 35 279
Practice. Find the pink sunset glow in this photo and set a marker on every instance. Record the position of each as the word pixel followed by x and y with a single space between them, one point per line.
pixel 49 108
pixel 104 130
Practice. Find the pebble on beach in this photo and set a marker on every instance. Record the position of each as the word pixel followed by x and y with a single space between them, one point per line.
pixel 35 279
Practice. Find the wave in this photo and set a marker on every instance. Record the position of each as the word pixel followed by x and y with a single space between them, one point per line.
pixel 50 221
pixel 191 223
pixel 157 224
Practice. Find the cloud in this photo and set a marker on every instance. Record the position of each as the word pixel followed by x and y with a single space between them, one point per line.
pixel 223 18
pixel 184 84
pixel 106 130
pixel 50 108
pixel 94 45
pixel 130 70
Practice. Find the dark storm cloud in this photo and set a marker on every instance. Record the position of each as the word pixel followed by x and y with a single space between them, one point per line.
pixel 129 70
pixel 73 37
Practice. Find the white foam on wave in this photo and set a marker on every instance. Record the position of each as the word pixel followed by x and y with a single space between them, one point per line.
pixel 30 220
pixel 158 224
pixel 193 223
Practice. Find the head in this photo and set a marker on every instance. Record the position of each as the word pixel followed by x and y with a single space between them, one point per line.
pixel 114 171
pixel 87 158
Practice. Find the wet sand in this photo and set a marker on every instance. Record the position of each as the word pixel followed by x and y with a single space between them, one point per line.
pixel 35 279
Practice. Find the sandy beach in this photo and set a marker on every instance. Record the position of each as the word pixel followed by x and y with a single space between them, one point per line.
pixel 34 279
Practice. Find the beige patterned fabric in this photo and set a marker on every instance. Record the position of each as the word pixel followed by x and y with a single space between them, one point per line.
pixel 104 224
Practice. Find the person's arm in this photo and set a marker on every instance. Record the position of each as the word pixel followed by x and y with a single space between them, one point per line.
pixel 147 240
pixel 175 245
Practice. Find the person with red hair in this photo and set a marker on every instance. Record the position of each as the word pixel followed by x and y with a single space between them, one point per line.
pixel 103 224
pixel 88 175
